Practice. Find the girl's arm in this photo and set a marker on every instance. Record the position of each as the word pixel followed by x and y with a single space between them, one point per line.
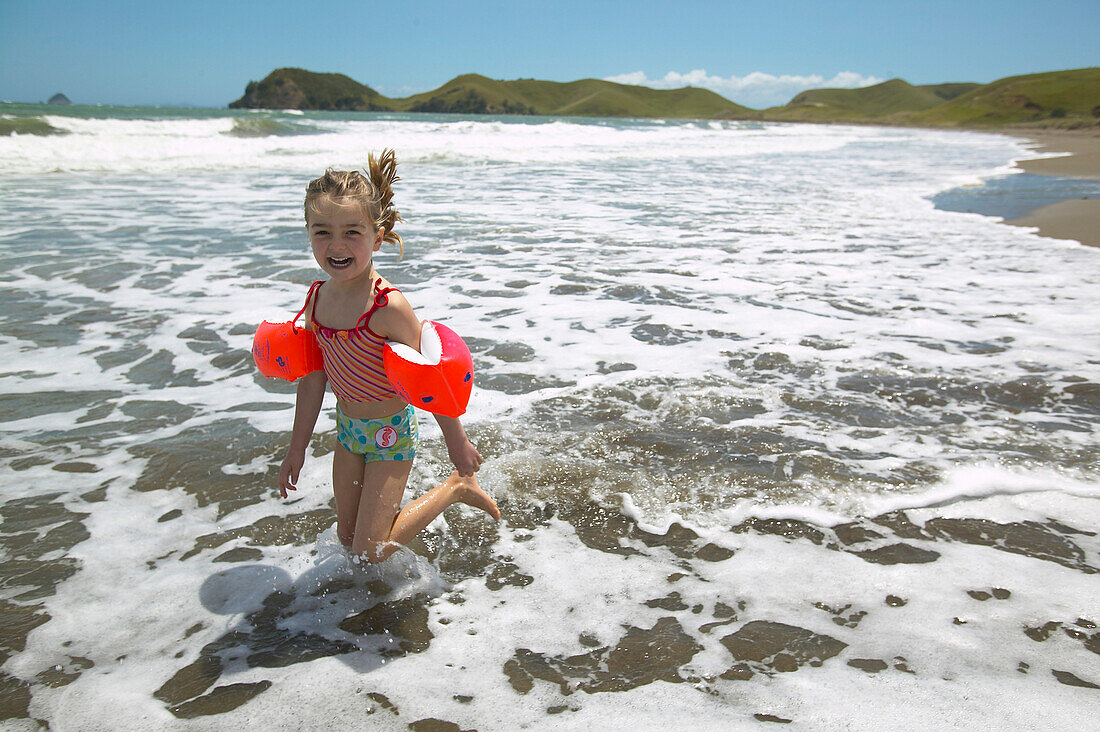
pixel 397 322
pixel 462 452
pixel 307 405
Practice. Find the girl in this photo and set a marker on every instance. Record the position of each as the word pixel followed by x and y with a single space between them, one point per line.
pixel 348 217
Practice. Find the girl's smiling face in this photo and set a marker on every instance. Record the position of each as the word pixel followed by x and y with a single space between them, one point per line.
pixel 342 238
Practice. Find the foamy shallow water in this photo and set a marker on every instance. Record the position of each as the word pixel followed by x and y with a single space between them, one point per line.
pixel 769 432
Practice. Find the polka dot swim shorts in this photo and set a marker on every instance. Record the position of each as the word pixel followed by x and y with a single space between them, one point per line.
pixel 386 438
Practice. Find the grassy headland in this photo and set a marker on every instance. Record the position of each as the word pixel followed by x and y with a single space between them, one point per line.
pixel 883 100
pixel 475 94
pixel 1059 97
pixel 1055 99
pixel 301 89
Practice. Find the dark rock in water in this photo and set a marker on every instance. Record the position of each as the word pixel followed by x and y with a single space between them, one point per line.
pixel 713 553
pixel 902 664
pixel 790 528
pixel 274 647
pixel 870 665
pixel 900 524
pixel 706 628
pixel 1071 680
pixel 1028 538
pixel 1041 633
pixel 383 701
pixel 671 602
pixel 771 718
pixel 898 554
pixel 737 672
pixel 505 574
pixel 722 610
pixel 240 554
pixel 641 657
pixel 58 676
pixel 267 646
pixel 781 647
pixel 59 99
pixel 16 695
pixel 406 620
pixel 839 617
pixel 431 724
pixel 220 700
pixel 646 655
pixel 191 680
pixel 677 539
pixel 853 533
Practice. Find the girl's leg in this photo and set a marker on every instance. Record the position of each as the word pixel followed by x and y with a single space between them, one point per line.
pixel 378 533
pixel 347 487
pixel 383 485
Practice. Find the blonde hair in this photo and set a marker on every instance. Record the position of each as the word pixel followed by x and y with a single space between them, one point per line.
pixel 373 192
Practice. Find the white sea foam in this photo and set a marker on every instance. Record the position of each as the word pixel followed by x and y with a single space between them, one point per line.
pixel 696 324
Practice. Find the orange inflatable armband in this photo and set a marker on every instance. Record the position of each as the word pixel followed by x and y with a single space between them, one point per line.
pixel 286 351
pixel 439 378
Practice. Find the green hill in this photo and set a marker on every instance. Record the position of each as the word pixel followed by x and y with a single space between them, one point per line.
pixel 1056 98
pixel 587 97
pixel 468 94
pixel 475 94
pixel 300 89
pixel 867 103
pixel 950 90
pixel 1034 98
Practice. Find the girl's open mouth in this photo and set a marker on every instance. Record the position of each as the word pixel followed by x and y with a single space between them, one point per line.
pixel 340 263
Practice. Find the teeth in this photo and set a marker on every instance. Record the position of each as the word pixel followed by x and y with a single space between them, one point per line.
pixel 340 262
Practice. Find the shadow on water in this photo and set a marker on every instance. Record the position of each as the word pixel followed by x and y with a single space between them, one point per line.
pixel 355 615
pixel 369 616
pixel 272 632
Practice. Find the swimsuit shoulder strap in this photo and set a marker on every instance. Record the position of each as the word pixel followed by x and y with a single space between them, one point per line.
pixel 309 296
pixel 381 298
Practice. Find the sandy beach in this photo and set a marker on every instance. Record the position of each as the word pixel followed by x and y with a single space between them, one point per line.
pixel 1076 219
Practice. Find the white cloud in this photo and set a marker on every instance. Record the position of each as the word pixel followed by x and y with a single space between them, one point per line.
pixel 756 90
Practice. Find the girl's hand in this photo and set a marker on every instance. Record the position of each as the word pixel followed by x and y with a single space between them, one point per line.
pixel 288 471
pixel 465 457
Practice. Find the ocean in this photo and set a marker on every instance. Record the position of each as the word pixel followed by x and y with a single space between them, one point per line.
pixel 775 439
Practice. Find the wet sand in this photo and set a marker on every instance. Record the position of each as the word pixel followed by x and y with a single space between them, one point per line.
pixel 1077 219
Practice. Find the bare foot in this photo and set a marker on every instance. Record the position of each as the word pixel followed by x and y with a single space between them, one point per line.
pixel 466 490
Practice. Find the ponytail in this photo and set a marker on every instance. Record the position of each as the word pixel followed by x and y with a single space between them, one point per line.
pixel 383 174
pixel 373 192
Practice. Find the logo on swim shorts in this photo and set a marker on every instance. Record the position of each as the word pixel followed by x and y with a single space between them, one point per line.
pixel 386 437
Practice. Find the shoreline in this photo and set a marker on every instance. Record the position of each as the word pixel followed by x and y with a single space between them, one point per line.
pixel 1075 219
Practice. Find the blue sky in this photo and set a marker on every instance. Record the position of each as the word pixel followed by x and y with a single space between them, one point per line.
pixel 202 53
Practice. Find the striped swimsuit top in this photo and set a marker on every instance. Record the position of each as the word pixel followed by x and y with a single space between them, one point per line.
pixel 353 358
